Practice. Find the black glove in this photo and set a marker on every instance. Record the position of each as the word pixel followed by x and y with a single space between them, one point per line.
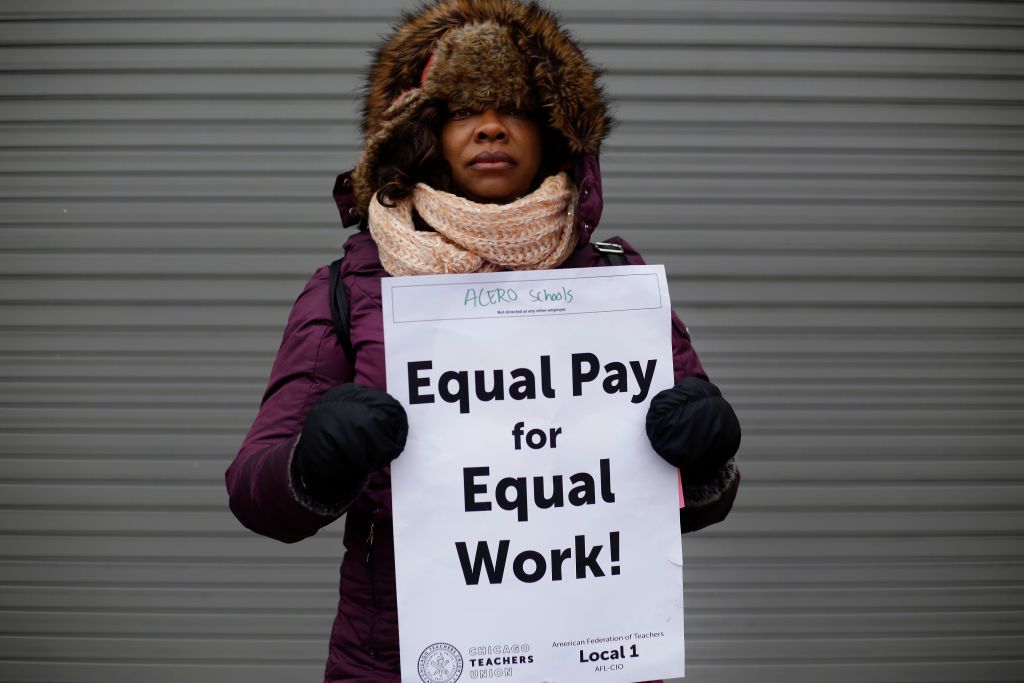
pixel 351 431
pixel 692 427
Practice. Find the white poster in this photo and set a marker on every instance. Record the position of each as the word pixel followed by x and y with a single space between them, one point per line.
pixel 536 531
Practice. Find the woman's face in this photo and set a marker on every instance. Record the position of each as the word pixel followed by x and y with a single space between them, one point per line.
pixel 494 155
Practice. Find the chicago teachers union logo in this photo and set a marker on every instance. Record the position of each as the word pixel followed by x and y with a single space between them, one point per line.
pixel 440 663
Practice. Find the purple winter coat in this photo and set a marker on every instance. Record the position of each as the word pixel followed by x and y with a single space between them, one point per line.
pixel 364 639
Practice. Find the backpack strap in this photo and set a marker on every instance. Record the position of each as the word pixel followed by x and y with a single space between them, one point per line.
pixel 340 312
pixel 612 254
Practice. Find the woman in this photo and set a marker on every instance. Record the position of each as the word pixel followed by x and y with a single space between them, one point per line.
pixel 483 123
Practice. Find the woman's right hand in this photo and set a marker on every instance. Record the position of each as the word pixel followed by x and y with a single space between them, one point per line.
pixel 351 431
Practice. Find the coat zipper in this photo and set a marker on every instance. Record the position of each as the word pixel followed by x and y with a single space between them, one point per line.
pixel 373 586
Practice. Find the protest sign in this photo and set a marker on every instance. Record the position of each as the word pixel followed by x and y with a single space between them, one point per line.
pixel 536 531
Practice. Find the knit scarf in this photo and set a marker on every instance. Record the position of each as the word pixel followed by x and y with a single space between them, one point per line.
pixel 532 233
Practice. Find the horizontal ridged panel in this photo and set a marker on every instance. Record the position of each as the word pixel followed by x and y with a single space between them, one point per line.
pixel 835 188
pixel 945 670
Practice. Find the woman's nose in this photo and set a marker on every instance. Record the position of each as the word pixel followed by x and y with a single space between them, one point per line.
pixel 490 127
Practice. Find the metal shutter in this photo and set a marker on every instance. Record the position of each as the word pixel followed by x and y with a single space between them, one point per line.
pixel 835 187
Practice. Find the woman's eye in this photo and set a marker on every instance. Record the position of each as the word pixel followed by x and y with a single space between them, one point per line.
pixel 460 114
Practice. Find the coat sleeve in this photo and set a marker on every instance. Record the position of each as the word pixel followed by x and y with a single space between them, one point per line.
pixel 707 503
pixel 308 363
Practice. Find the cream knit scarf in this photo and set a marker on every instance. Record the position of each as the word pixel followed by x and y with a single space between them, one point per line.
pixel 531 233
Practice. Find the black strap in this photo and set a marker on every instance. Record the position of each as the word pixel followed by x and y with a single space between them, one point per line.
pixel 340 312
pixel 612 254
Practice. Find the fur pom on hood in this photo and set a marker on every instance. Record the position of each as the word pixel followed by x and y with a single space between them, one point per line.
pixel 480 54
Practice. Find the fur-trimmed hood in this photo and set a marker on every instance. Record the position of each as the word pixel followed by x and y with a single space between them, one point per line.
pixel 481 53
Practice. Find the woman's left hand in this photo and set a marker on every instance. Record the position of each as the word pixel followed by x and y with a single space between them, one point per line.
pixel 693 428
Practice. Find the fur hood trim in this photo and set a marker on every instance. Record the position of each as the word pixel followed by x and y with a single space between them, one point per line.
pixel 481 53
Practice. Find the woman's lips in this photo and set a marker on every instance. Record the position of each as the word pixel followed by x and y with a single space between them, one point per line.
pixel 492 161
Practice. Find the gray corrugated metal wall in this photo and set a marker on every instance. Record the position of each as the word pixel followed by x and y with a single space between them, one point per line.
pixel 835 187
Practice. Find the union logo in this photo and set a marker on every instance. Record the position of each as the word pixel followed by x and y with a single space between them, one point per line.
pixel 440 663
